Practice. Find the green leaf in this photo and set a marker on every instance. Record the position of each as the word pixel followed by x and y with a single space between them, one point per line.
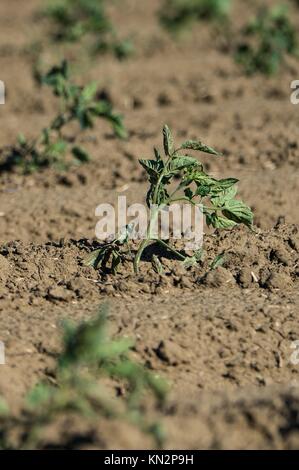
pixel 226 183
pixel 189 262
pixel 116 261
pixel 89 91
pixel 181 162
pixel 207 185
pixel 157 154
pixel 157 265
pixel 120 130
pixel 56 73
pixel 238 212
pixel 168 140
pixel 199 146
pixel 218 261
pixel 201 178
pixel 4 410
pixel 222 185
pixel 57 149
pixel 125 234
pixel 38 396
pixel 85 118
pixel 221 198
pixel 203 190
pixel 46 136
pixel 81 154
pixel 94 258
pixel 152 166
pixel 157 384
pixel 220 222
pixel 189 193
pixel 116 348
pixel 22 140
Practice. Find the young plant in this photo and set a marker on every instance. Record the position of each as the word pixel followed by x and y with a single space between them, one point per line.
pixel 80 104
pixel 193 186
pixel 90 357
pixel 75 20
pixel 176 15
pixel 267 39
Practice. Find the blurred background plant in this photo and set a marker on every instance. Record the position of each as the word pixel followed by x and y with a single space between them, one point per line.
pixel 177 15
pixel 80 20
pixel 266 40
pixel 51 147
pixel 89 359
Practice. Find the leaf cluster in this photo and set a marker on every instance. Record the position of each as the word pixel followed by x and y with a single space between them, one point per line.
pixel 90 357
pixel 111 254
pixel 216 198
pixel 176 15
pixel 266 40
pixel 79 104
pixel 221 208
pixel 74 20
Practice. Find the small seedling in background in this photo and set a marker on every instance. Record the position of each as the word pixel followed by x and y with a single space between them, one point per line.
pixel 89 356
pixel 267 39
pixel 4 410
pixel 177 15
pixel 195 187
pixel 77 20
pixel 51 147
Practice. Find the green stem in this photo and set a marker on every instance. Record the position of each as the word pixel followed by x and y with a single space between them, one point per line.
pixel 141 249
pixel 148 238
pixel 146 241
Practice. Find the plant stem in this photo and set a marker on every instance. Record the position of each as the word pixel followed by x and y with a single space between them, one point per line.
pixel 141 249
pixel 147 240
pixel 154 216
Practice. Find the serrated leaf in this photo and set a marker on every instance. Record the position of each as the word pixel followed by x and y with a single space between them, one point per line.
pixel 220 199
pixel 203 190
pixel 94 258
pixel 226 183
pixel 219 186
pixel 207 185
pixel 167 140
pixel 199 146
pixel 238 212
pixel 201 178
pixel 220 222
pixel 152 166
pixel 181 162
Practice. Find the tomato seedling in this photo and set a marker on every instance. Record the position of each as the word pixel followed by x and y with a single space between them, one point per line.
pixel 217 199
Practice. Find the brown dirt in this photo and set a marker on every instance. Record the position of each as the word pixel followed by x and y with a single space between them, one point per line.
pixel 222 338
